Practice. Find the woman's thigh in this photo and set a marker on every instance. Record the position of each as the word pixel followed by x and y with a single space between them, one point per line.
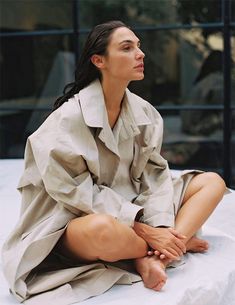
pixel 100 237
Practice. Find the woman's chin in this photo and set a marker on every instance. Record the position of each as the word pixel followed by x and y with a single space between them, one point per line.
pixel 139 77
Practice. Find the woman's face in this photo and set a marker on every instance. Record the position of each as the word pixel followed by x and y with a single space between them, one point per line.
pixel 124 59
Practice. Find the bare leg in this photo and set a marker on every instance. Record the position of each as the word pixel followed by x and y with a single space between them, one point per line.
pixel 96 237
pixel 203 194
pixel 99 236
pixel 201 198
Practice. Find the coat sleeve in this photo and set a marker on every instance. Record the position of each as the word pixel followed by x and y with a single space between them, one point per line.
pixel 67 162
pixel 156 193
pixel 151 170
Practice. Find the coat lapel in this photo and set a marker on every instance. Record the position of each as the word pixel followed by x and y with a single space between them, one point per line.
pixel 95 115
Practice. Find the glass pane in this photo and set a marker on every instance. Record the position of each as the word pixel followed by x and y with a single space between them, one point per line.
pixel 233 10
pixel 233 150
pixel 35 15
pixel 149 12
pixel 186 150
pixel 233 67
pixel 199 11
pixel 177 62
pixel 27 63
pixel 34 71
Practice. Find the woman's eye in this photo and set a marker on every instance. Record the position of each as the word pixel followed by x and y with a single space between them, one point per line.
pixel 127 48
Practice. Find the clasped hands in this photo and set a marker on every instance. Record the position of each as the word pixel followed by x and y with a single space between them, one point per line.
pixel 163 242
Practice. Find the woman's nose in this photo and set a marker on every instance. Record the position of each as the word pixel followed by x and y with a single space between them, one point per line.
pixel 140 53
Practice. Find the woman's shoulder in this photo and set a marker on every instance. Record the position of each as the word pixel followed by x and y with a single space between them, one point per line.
pixel 69 111
pixel 64 119
pixel 146 106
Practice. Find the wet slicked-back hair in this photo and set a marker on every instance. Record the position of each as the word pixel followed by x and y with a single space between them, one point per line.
pixel 97 43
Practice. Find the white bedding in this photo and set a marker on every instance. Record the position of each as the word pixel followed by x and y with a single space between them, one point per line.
pixel 205 279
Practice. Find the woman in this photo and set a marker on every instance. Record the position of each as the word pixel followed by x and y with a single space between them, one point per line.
pixel 96 191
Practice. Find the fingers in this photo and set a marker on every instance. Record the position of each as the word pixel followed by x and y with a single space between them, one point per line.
pixel 157 253
pixel 161 256
pixel 172 252
pixel 176 234
pixel 180 245
pixel 154 252
pixel 166 254
pixel 169 243
pixel 171 255
pixel 176 248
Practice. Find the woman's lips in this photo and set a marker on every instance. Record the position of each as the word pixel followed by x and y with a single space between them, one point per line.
pixel 140 67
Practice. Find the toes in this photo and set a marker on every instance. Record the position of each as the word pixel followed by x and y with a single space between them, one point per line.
pixel 156 287
pixel 197 245
pixel 156 283
pixel 159 286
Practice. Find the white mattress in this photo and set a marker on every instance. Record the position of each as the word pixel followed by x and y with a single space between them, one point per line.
pixel 205 279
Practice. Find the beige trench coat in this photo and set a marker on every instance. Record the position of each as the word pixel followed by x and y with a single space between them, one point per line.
pixel 76 165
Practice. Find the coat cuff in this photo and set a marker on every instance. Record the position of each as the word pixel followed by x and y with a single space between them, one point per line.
pixel 162 219
pixel 128 213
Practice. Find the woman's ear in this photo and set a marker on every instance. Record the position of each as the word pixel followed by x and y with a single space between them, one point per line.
pixel 98 61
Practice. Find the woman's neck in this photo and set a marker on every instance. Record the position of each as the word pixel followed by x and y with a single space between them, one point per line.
pixel 113 96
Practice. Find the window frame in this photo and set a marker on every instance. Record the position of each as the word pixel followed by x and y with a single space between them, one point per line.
pixel 226 26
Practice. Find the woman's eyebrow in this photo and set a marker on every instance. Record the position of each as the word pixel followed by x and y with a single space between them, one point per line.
pixel 129 41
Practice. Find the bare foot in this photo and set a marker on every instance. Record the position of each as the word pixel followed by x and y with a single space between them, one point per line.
pixel 152 271
pixel 197 245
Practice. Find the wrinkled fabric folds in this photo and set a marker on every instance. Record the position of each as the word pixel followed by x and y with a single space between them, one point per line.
pixel 75 165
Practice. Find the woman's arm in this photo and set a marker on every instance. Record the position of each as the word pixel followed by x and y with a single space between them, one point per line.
pixel 67 180
pixel 166 241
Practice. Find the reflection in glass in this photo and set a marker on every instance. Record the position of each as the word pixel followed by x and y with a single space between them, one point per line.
pixel 233 150
pixel 184 150
pixel 172 63
pixel 34 71
pixel 149 12
pixel 207 90
pixel 233 66
pixel 200 11
pixel 27 62
pixel 233 10
pixel 31 15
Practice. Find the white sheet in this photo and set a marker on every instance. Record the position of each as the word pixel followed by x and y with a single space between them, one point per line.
pixel 205 279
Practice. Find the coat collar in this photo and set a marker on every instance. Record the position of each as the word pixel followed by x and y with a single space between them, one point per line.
pixel 94 111
pixel 95 115
pixel 92 104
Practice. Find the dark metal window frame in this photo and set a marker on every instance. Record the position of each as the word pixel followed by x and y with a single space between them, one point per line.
pixel 226 25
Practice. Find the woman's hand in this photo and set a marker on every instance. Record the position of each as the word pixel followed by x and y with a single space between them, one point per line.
pixel 164 242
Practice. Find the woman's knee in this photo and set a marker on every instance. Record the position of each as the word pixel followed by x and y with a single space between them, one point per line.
pixel 95 228
pixel 102 227
pixel 89 237
pixel 207 180
pixel 215 180
pixel 213 184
